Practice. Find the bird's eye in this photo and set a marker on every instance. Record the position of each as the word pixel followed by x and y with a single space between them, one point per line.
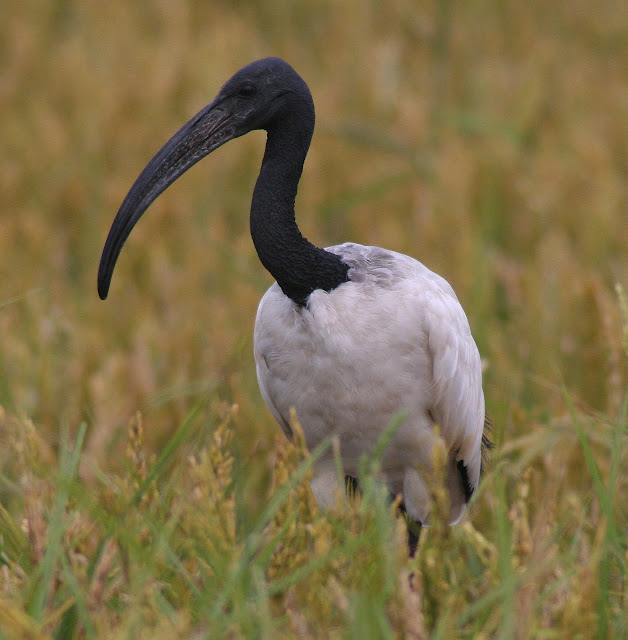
pixel 247 91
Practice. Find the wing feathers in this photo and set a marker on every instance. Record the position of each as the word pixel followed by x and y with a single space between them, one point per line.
pixel 457 380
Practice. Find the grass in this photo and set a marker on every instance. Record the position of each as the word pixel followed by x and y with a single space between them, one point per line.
pixel 144 490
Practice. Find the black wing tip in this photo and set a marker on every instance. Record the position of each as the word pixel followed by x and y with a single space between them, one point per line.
pixel 464 479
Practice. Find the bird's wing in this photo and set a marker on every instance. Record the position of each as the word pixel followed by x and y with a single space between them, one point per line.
pixel 457 400
pixel 263 349
pixel 262 377
pixel 457 397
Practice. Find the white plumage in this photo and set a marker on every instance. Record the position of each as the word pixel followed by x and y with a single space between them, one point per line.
pixel 393 339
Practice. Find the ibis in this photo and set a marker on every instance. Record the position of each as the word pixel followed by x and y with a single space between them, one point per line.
pixel 352 337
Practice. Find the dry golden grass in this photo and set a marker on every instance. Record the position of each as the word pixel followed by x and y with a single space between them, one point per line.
pixel 487 139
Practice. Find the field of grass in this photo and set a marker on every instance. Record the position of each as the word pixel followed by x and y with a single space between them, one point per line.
pixel 144 489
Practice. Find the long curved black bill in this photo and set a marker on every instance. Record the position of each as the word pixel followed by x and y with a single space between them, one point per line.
pixel 205 132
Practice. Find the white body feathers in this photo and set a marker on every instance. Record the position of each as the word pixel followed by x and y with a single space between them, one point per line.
pixel 393 339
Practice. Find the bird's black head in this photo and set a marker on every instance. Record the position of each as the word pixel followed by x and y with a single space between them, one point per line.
pixel 258 96
pixel 259 93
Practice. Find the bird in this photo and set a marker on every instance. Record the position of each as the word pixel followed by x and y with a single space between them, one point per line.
pixel 350 336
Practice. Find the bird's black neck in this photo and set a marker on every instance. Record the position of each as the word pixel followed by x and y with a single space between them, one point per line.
pixel 298 266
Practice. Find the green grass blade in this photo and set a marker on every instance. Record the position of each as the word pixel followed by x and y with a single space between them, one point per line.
pixel 167 452
pixel 255 535
pixel 68 466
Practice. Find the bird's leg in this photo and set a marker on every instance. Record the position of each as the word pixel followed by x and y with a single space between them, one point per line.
pixel 414 532
pixel 352 488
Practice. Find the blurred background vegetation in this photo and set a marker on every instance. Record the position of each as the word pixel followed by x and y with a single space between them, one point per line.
pixel 488 139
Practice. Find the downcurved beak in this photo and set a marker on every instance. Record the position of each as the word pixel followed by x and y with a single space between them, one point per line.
pixel 206 131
